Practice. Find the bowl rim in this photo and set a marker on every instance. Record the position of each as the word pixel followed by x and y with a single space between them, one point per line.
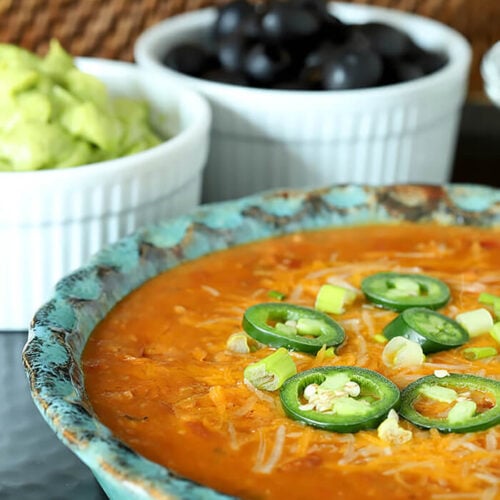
pixel 199 123
pixel 51 354
pixel 458 50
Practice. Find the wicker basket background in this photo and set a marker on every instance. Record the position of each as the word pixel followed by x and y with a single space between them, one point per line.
pixel 108 28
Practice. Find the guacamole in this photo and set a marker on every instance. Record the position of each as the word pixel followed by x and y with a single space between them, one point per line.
pixel 52 115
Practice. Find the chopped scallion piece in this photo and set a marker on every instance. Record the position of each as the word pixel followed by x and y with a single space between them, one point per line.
pixel 241 343
pixel 491 300
pixel 275 294
pixel 333 299
pixel 270 372
pixel 285 329
pixel 487 298
pixel 439 393
pixel 495 332
pixel 462 411
pixel 400 352
pixel 330 352
pixel 473 353
pixel 476 322
pixel 381 339
pixel 310 326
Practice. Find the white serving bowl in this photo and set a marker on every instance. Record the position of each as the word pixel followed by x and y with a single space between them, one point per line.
pixel 51 221
pixel 263 139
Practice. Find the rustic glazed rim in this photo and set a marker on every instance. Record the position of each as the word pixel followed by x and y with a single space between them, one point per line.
pixel 59 330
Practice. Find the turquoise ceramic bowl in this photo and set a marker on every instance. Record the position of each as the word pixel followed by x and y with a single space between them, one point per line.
pixel 61 328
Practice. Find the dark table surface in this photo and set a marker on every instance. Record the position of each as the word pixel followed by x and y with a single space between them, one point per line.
pixel 34 465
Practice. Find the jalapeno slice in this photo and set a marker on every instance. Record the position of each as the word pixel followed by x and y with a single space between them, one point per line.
pixel 294 327
pixel 455 403
pixel 399 291
pixel 340 398
pixel 432 330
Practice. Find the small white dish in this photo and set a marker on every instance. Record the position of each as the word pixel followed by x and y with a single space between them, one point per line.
pixel 264 139
pixel 51 221
pixel 490 71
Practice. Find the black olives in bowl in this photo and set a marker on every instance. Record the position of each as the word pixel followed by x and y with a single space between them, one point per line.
pixel 301 45
pixel 305 93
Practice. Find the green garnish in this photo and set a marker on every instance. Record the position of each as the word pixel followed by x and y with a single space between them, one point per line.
pixel 275 294
pixel 339 399
pixel 464 414
pixel 476 322
pixel 473 353
pixel 270 372
pixel 428 328
pixel 294 327
pixel 491 300
pixel 333 299
pixel 400 291
pixel 380 338
pixel 241 343
pixel 495 332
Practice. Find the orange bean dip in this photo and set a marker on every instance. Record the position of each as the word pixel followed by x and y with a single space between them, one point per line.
pixel 159 375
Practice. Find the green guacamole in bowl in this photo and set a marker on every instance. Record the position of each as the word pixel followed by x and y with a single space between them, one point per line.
pixel 52 115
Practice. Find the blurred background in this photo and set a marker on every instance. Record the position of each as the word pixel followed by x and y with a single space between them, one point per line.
pixel 109 29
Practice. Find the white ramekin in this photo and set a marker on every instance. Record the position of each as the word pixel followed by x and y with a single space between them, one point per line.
pixel 51 221
pixel 273 138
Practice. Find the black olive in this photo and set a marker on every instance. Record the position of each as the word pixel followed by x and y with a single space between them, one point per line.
pixel 231 17
pixel 300 44
pixel 387 40
pixel 231 51
pixel 189 58
pixel 429 61
pixel 319 54
pixel 284 22
pixel 318 7
pixel 311 77
pixel 357 40
pixel 266 64
pixel 335 30
pixel 406 71
pixel 352 68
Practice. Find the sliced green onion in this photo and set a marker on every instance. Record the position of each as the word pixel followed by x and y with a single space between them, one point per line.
pixel 462 411
pixel 333 299
pixel 270 372
pixel 381 339
pixel 390 431
pixel 473 353
pixel 487 298
pixel 238 342
pixel 275 294
pixel 400 352
pixel 329 352
pixel 439 393
pixel 241 343
pixel 326 352
pixel 495 332
pixel 476 322
pixel 491 300
pixel 285 329
pixel 309 326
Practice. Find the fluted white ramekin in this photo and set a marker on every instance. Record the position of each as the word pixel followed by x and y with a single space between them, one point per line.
pixel 51 221
pixel 280 138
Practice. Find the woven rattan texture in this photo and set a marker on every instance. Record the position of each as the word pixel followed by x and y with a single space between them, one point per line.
pixel 109 28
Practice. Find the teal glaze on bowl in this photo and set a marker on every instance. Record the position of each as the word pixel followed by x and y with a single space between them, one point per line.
pixel 60 329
